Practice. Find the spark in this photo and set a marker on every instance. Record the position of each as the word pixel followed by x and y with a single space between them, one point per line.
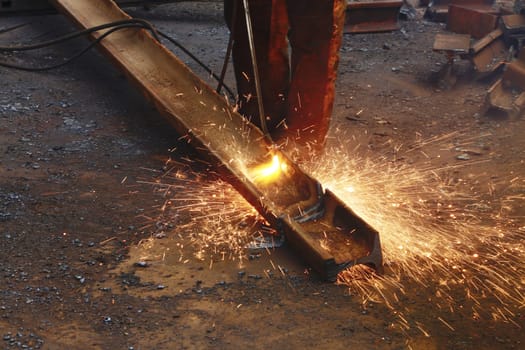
pixel 438 231
pixel 458 237
pixel 206 211
pixel 446 324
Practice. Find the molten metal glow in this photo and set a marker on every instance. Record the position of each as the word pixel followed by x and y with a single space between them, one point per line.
pixel 270 171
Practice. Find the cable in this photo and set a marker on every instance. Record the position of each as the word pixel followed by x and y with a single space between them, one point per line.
pixel 117 25
pixel 5 30
pixel 229 47
pixel 76 34
pixel 74 57
pixel 187 52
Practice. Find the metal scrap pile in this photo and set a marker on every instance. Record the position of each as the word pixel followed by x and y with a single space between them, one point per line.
pixel 492 38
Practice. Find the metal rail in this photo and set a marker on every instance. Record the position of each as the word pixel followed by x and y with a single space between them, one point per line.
pixel 325 232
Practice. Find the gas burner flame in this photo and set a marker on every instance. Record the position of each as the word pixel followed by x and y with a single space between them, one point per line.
pixel 270 171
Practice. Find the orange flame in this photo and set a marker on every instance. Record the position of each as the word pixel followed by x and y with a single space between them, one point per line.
pixel 270 171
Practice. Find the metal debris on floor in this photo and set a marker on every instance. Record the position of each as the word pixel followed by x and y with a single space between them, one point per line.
pixel 492 39
pixel 477 19
pixel 372 16
pixel 507 94
pixel 439 10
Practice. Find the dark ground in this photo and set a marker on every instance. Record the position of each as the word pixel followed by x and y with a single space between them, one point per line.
pixel 76 142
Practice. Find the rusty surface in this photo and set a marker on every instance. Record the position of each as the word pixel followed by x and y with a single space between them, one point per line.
pixel 326 233
pixel 476 20
pixel 505 99
pixel 453 43
pixel 437 10
pixel 508 93
pixel 372 16
pixel 487 55
pixel 490 53
pixel 513 23
pixel 497 98
pixel 485 41
pixel 514 75
pixel 514 29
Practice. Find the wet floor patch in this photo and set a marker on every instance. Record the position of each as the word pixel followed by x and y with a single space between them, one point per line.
pixel 168 266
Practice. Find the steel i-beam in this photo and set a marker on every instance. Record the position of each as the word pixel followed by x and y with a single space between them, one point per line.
pixel 325 232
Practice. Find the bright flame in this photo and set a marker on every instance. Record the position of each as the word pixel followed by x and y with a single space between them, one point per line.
pixel 270 171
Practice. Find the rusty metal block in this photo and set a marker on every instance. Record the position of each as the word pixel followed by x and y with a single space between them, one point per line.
pixel 507 100
pixel 513 24
pixel 489 53
pixel 514 75
pixel 486 55
pixel 485 41
pixel 514 29
pixel 477 20
pixel 508 93
pixel 491 58
pixel 452 43
pixel 372 16
pixel 437 10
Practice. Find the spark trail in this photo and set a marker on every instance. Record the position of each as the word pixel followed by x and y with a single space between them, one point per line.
pixel 460 243
pixel 459 239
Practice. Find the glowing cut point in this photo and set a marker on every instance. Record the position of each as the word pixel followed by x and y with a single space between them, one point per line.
pixel 270 171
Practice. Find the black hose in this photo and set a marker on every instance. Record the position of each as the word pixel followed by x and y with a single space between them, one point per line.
pixel 229 47
pixel 8 29
pixel 64 38
pixel 74 57
pixel 114 26
pixel 187 52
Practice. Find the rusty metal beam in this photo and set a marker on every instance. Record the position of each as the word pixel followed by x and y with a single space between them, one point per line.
pixel 514 29
pixel 508 93
pixel 372 16
pixel 476 20
pixel 489 53
pixel 325 232
pixel 514 75
pixel 452 44
pixel 438 10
